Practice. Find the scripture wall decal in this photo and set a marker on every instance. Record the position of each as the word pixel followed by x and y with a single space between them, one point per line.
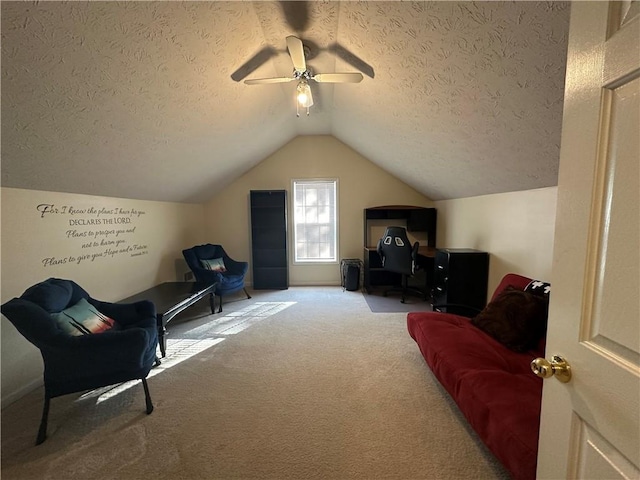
pixel 96 232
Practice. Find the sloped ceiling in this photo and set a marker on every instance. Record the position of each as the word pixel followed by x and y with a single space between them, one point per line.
pixel 145 100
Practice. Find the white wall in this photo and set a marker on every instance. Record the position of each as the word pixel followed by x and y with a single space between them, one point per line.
pixel 47 234
pixel 361 184
pixel 516 228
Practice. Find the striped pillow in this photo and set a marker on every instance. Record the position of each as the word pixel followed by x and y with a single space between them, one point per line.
pixel 83 319
pixel 215 264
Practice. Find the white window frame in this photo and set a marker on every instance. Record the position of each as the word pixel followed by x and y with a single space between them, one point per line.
pixel 295 184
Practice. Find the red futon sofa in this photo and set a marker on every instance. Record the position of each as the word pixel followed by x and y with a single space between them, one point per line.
pixel 484 364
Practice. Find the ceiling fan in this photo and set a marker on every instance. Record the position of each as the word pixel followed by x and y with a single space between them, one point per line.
pixel 302 74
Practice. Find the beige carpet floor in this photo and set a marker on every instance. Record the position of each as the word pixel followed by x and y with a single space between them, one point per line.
pixel 305 383
pixel 378 303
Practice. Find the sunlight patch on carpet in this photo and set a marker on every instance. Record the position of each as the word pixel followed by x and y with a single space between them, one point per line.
pixel 181 350
pixel 197 340
pixel 240 320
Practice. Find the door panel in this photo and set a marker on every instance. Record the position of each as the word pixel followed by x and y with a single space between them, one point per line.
pixel 597 459
pixel 617 275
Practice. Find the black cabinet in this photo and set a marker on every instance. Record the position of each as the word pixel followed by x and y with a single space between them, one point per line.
pixel 460 276
pixel 269 239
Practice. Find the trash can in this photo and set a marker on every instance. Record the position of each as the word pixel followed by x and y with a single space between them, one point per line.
pixel 350 273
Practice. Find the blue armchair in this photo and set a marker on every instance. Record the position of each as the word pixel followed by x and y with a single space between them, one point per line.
pixel 210 263
pixel 85 343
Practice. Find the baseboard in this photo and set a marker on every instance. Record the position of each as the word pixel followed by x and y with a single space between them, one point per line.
pixel 310 284
pixel 21 392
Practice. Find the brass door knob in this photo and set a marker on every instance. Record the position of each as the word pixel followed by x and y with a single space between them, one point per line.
pixel 557 367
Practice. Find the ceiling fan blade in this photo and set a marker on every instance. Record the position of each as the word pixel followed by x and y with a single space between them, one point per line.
pixel 296 50
pixel 259 81
pixel 338 77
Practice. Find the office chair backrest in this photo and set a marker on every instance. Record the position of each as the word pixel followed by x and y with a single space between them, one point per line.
pixel 396 251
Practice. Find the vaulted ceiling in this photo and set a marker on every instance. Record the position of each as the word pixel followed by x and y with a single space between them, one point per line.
pixel 146 100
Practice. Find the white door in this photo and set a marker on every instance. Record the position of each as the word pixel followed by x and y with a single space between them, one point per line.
pixel 590 426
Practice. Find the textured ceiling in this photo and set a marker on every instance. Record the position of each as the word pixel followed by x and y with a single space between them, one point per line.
pixel 145 99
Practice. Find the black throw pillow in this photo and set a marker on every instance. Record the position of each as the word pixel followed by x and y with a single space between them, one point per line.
pixel 515 318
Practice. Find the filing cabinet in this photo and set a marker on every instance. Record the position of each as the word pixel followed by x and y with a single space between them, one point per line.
pixel 460 277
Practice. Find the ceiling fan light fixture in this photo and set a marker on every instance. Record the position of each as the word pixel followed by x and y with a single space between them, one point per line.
pixel 302 74
pixel 303 97
pixel 303 94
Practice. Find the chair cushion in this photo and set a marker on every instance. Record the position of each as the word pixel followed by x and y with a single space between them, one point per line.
pixel 229 284
pixel 83 319
pixel 53 295
pixel 215 264
pixel 515 318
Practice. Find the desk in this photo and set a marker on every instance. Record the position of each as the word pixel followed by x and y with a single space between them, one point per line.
pixel 418 220
pixel 427 252
pixel 375 275
pixel 171 298
pixel 426 263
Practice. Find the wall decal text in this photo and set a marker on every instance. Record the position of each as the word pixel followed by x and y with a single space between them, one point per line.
pixel 96 232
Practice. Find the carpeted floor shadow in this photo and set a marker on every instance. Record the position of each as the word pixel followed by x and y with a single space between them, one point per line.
pixel 378 303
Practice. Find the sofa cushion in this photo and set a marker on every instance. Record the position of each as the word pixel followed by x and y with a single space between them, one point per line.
pixel 511 279
pixel 504 409
pixel 515 318
pixel 492 385
pixel 83 319
pixel 452 346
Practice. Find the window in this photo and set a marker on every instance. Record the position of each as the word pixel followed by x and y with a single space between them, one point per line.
pixel 315 222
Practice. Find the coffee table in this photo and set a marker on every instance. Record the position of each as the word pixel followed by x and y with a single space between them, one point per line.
pixel 171 298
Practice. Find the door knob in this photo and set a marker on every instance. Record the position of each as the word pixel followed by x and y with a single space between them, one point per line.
pixel 557 367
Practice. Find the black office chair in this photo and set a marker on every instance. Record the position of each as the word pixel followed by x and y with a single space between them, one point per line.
pixel 399 256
